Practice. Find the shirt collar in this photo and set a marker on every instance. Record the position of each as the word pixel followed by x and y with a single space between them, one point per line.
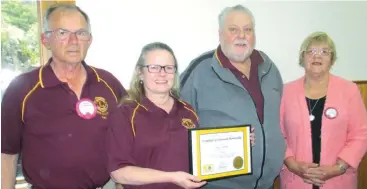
pixel 47 77
pixel 148 105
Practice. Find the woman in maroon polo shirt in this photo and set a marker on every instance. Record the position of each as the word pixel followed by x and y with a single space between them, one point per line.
pixel 148 140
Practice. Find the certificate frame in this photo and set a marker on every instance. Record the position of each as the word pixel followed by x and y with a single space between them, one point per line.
pixel 195 160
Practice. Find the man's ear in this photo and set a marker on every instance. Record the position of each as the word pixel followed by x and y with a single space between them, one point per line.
pixel 90 40
pixel 220 33
pixel 45 40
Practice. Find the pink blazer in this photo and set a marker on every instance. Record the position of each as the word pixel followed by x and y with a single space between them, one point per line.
pixel 344 136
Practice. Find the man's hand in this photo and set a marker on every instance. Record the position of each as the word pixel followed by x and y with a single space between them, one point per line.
pixel 8 170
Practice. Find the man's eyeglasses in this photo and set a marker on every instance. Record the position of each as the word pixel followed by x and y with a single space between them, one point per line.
pixel 170 69
pixel 321 52
pixel 64 34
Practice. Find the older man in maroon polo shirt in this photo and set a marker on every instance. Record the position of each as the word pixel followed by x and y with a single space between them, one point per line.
pixel 56 116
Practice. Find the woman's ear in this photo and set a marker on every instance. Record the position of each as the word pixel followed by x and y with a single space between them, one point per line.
pixel 140 73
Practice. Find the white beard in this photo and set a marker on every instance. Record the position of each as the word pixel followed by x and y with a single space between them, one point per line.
pixel 237 57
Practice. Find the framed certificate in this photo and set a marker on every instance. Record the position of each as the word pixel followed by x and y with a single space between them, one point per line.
pixel 217 153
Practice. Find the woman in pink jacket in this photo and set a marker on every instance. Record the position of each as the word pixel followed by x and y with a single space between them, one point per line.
pixel 324 122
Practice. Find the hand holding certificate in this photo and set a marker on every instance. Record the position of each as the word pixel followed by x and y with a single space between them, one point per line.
pixel 217 153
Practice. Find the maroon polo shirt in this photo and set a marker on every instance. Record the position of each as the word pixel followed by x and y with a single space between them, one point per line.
pixel 252 85
pixel 144 135
pixel 59 149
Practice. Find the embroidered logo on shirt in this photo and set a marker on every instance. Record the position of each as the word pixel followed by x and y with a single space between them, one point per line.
pixel 188 123
pixel 102 106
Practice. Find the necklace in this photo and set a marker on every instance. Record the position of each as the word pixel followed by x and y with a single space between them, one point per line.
pixel 311 116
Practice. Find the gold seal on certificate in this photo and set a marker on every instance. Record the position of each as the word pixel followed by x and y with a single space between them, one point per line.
pixel 217 153
pixel 237 162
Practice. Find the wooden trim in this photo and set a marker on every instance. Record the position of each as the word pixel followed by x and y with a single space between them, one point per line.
pixel 362 85
pixel 360 82
pixel 362 170
pixel 45 54
pixel 276 183
pixel 43 49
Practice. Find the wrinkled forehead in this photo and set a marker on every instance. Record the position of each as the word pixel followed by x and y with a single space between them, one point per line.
pixel 238 18
pixel 67 19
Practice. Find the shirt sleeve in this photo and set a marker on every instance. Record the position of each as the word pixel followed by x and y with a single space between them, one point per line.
pixel 288 152
pixel 356 145
pixel 11 116
pixel 119 140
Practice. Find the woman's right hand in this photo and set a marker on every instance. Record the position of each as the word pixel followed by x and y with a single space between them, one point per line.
pixel 186 180
pixel 300 168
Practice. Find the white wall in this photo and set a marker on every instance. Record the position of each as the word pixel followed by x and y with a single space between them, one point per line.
pixel 122 27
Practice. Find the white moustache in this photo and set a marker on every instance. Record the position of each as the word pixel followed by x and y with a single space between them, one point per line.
pixel 241 42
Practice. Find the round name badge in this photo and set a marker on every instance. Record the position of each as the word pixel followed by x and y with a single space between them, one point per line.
pixel 331 113
pixel 86 108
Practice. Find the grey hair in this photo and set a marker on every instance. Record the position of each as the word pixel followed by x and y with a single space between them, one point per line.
pixel 53 8
pixel 136 91
pixel 223 15
pixel 318 37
